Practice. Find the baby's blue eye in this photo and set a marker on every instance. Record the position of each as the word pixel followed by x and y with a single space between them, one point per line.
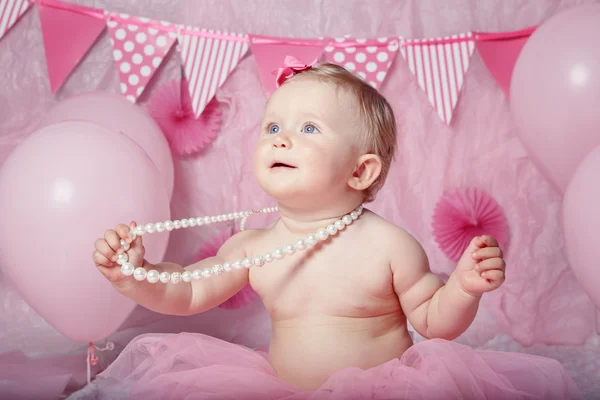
pixel 274 129
pixel 310 129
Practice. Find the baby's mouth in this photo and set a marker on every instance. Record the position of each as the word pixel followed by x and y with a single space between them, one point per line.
pixel 281 165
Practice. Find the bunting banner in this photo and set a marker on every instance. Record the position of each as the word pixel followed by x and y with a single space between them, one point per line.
pixel 440 67
pixel 208 59
pixel 499 54
pixel 10 12
pixel 140 46
pixel 63 49
pixel 269 53
pixel 370 59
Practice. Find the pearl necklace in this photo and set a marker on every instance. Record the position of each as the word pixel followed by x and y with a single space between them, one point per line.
pixel 153 276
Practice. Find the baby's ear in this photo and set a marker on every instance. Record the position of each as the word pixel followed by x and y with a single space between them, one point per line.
pixel 368 168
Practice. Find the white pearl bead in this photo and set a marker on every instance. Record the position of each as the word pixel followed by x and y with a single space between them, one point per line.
pixel 127 269
pixel 259 261
pixel 300 245
pixel 227 266
pixel 165 277
pixel 213 219
pixel 322 234
pixel 139 274
pixel 246 262
pixel 122 258
pixel 175 278
pixel 199 221
pixel 219 218
pixel 185 223
pixel 331 229
pixel 268 257
pixel 197 274
pixel 186 276
pixel 310 240
pixel 152 276
pixel 346 219
pixel 192 222
pixel 289 249
pixel 339 224
pixel 278 254
pixel 169 225
pixel 150 228
pixel 125 245
pixel 177 224
pixel 139 230
pixel 206 220
pixel 354 215
pixel 237 265
pixel 207 272
pixel 159 226
pixel 236 215
pixel 218 270
pixel 230 216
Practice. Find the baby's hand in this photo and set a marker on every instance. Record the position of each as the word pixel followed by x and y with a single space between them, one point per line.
pixel 481 267
pixel 115 243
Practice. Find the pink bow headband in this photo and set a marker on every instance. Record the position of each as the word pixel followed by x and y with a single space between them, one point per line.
pixel 291 66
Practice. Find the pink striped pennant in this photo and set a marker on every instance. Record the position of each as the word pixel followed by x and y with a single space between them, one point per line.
pixel 10 12
pixel 138 49
pixel 368 58
pixel 440 66
pixel 208 58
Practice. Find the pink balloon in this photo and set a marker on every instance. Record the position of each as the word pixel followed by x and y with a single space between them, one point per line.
pixel 60 190
pixel 555 92
pixel 115 112
pixel 581 219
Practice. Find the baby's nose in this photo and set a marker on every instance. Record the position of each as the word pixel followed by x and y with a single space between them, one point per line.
pixel 282 142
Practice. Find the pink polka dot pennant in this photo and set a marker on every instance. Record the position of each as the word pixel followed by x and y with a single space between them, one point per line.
pixel 139 47
pixel 370 59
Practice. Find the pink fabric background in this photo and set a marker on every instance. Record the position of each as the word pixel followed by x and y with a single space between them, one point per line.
pixel 541 308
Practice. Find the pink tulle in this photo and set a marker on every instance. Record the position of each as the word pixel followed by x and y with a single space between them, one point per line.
pixel 195 366
pixel 245 296
pixel 173 112
pixel 463 214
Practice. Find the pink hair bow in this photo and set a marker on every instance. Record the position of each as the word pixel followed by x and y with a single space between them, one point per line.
pixel 291 66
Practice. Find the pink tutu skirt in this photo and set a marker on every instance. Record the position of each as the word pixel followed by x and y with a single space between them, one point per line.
pixel 194 366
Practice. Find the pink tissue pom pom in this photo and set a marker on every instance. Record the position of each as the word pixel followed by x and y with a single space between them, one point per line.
pixel 245 296
pixel 464 213
pixel 173 113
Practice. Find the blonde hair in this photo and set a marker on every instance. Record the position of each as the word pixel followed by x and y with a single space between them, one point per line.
pixel 375 113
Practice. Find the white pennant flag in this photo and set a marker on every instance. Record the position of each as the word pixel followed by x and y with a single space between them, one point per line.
pixel 440 67
pixel 10 11
pixel 208 59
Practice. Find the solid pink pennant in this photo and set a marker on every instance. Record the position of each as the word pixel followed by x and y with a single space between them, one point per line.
pixel 63 49
pixel 208 58
pixel 10 12
pixel 370 59
pixel 270 53
pixel 138 49
pixel 440 66
pixel 500 54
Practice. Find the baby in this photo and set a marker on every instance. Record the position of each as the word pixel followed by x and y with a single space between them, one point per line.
pixel 339 301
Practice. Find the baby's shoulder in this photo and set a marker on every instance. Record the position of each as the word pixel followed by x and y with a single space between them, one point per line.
pixel 396 241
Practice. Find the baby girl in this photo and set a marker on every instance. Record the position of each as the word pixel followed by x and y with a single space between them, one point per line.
pixel 340 293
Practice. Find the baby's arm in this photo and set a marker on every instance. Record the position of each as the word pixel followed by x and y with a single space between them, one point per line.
pixel 435 310
pixel 198 295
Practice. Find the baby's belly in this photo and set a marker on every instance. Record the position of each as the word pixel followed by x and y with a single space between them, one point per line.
pixel 306 351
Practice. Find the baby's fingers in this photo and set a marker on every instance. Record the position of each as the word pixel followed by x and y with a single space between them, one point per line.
pixel 491 263
pixel 487 252
pixel 101 260
pixel 494 277
pixel 103 248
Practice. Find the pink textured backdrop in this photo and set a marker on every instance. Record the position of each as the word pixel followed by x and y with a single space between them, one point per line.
pixel 540 304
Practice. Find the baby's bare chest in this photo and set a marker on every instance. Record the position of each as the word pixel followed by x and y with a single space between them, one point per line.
pixel 341 279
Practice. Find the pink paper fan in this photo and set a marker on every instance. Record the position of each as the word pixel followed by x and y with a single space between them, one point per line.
pixel 463 214
pixel 173 113
pixel 245 296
